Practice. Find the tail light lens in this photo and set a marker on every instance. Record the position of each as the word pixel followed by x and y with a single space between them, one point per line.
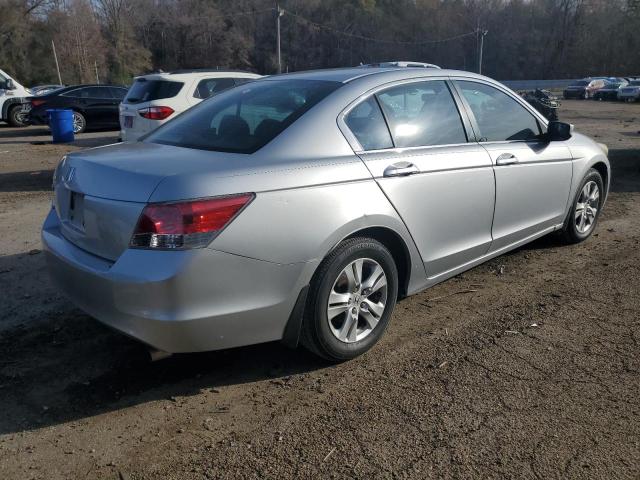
pixel 37 103
pixel 156 113
pixel 184 225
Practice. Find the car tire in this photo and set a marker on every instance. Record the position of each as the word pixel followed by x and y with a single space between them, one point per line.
pixel 346 327
pixel 585 209
pixel 79 123
pixel 16 118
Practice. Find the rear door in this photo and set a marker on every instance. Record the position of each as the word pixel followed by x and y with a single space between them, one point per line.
pixel 439 181
pixel 532 176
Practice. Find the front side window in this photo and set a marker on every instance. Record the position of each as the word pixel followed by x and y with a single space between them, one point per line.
pixel 210 86
pixel 422 114
pixel 245 119
pixel 499 117
pixel 367 124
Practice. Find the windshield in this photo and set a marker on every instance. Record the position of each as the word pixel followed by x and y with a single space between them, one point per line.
pixel 245 118
pixel 144 90
pixel 581 83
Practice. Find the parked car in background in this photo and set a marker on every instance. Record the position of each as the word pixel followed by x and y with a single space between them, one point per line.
pixel 610 90
pixel 584 89
pixel 631 92
pixel 94 106
pixel 43 89
pixel 302 206
pixel 156 98
pixel 544 101
pixel 12 101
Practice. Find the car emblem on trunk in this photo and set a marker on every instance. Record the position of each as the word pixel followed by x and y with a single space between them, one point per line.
pixel 70 174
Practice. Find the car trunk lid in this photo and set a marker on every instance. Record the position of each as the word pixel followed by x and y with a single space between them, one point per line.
pixel 100 193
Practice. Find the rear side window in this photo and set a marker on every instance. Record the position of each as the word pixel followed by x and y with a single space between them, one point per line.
pixel 244 119
pixel 144 90
pixel 210 86
pixel 422 114
pixel 367 124
pixel 500 117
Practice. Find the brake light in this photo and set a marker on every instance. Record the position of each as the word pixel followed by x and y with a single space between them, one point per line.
pixel 156 113
pixel 37 103
pixel 186 225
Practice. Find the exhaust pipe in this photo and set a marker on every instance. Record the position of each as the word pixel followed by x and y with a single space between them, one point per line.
pixel 157 355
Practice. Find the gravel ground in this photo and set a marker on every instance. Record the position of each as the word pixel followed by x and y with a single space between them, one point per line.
pixel 525 367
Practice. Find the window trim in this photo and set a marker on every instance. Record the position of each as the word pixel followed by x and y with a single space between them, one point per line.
pixel 467 126
pixel 541 120
pixel 67 93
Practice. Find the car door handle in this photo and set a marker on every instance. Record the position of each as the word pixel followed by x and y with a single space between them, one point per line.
pixel 400 169
pixel 507 159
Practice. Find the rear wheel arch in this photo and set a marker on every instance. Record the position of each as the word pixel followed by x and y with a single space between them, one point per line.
pixel 398 249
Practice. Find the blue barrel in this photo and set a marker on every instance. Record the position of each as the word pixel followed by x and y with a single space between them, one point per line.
pixel 61 124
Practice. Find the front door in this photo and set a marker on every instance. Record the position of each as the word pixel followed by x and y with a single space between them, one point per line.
pixel 441 184
pixel 533 176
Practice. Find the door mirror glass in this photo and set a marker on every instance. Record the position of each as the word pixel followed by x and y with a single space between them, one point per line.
pixel 10 85
pixel 559 131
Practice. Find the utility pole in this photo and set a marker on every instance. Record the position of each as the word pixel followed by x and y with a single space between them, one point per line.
pixel 279 13
pixel 482 34
pixel 55 57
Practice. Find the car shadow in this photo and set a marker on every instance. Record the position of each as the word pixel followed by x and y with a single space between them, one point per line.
pixel 28 181
pixel 64 365
pixel 625 169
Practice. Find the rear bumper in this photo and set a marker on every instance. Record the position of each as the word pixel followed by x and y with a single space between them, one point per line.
pixel 128 135
pixel 38 117
pixel 573 93
pixel 180 301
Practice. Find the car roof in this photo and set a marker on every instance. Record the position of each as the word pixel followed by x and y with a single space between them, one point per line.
pixel 346 75
pixel 182 75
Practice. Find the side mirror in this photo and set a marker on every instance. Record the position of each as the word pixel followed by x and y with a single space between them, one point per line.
pixel 559 131
pixel 9 85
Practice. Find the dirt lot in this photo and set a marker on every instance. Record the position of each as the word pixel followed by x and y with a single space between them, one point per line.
pixel 525 367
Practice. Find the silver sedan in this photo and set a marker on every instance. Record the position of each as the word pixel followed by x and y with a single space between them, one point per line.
pixel 301 207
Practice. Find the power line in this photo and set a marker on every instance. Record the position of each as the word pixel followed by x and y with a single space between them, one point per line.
pixel 372 39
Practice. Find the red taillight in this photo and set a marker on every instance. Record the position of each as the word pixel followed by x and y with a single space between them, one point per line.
pixel 186 224
pixel 156 113
pixel 37 103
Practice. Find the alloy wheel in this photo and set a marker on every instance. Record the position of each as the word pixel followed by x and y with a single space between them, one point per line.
pixel 587 207
pixel 78 123
pixel 357 300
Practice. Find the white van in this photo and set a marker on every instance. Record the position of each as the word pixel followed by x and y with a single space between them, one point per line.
pixel 12 96
pixel 157 98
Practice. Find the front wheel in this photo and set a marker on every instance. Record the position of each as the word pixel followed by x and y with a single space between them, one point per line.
pixel 585 210
pixel 17 117
pixel 351 298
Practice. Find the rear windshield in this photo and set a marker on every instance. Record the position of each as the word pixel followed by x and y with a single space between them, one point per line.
pixel 144 90
pixel 581 83
pixel 244 119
